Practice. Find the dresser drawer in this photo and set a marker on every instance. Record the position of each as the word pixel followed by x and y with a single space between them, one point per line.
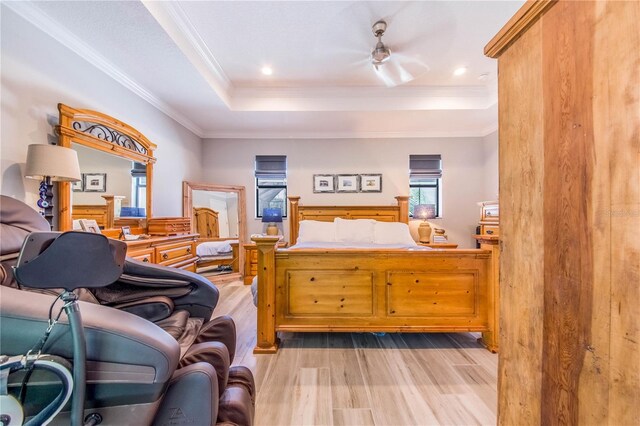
pixel 490 230
pixel 178 262
pixel 144 255
pixel 170 252
pixel 490 213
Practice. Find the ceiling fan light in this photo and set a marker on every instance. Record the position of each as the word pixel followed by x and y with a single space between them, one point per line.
pixel 380 54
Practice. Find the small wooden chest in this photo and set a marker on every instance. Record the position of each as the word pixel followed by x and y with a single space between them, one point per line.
pixel 169 226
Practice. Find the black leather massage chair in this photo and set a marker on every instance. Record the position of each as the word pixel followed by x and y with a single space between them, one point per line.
pixel 154 356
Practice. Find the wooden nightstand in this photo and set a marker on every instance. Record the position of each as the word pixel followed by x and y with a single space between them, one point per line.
pixel 251 260
pixel 439 245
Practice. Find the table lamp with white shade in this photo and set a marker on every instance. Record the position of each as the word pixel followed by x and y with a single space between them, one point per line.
pixel 424 212
pixel 51 163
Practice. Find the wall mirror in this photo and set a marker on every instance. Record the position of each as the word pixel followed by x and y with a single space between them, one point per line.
pixel 116 163
pixel 218 215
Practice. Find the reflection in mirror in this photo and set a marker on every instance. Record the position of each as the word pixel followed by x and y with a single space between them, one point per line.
pixel 225 213
pixel 112 192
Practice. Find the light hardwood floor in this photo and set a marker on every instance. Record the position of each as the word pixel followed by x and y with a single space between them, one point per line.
pixel 364 379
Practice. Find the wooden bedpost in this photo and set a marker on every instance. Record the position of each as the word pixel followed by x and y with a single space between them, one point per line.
pixel 403 206
pixel 294 219
pixel 267 341
pixel 490 338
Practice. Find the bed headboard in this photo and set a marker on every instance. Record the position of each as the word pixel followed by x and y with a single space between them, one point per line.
pixel 206 222
pixel 298 212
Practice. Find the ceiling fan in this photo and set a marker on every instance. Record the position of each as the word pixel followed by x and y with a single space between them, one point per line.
pixel 394 69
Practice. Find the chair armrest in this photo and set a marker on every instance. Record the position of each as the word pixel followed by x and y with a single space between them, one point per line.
pixel 112 336
pixel 199 302
pixel 152 308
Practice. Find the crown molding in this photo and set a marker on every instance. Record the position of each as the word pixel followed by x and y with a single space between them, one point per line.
pixel 42 21
pixel 406 98
pixel 175 22
pixel 489 129
pixel 344 135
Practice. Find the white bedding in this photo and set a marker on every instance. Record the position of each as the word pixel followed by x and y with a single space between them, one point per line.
pixel 356 245
pixel 214 248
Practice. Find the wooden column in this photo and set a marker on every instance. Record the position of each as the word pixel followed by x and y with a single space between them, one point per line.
pixel 294 221
pixel 267 340
pixel 569 106
pixel 490 338
pixel 403 204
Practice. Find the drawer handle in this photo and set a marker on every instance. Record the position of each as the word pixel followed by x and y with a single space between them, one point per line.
pixel 489 231
pixel 165 256
pixel 189 250
pixel 145 259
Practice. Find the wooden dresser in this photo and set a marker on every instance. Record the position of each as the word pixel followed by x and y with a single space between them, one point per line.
pixel 178 251
pixel 490 218
pixel 251 260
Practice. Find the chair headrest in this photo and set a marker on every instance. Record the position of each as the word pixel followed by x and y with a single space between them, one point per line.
pixel 17 220
pixel 69 260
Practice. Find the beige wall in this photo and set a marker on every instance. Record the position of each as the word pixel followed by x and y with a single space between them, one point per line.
pixel 490 146
pixel 38 73
pixel 231 161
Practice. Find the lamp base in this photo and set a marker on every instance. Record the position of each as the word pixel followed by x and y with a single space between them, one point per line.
pixel 424 232
pixel 272 229
pixel 45 202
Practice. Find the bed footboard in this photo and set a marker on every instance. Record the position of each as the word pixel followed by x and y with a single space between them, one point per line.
pixel 373 291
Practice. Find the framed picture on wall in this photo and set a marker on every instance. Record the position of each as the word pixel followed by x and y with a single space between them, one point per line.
pixel 324 183
pixel 371 183
pixel 95 182
pixel 347 183
pixel 77 186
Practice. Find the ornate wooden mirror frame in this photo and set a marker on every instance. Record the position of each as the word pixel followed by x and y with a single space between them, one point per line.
pixel 103 133
pixel 187 210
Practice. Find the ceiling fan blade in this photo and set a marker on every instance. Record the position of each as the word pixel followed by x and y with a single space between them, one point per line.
pixel 392 73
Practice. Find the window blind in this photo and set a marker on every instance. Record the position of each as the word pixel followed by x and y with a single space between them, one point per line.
pixel 271 166
pixel 425 166
pixel 139 170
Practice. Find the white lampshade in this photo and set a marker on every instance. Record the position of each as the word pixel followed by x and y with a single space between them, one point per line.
pixel 57 162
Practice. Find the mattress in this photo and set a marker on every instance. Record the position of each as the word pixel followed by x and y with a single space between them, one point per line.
pixel 215 248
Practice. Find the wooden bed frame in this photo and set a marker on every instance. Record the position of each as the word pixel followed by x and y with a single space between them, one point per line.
pixel 206 224
pixel 103 214
pixel 355 290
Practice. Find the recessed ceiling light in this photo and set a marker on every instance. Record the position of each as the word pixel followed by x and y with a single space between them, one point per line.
pixel 460 71
pixel 266 70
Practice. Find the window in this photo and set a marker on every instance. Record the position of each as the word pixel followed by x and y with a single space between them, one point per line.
pixel 139 185
pixel 425 174
pixel 139 192
pixel 271 183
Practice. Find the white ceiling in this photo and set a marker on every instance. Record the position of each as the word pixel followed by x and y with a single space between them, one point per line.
pixel 200 61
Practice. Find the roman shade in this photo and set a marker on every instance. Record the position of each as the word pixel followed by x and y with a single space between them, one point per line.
pixel 139 170
pixel 271 166
pixel 425 166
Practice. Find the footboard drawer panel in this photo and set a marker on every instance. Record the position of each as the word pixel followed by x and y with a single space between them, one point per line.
pixel 427 294
pixel 329 293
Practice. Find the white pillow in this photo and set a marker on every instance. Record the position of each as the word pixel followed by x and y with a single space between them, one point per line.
pixel 392 233
pixel 316 231
pixel 354 231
